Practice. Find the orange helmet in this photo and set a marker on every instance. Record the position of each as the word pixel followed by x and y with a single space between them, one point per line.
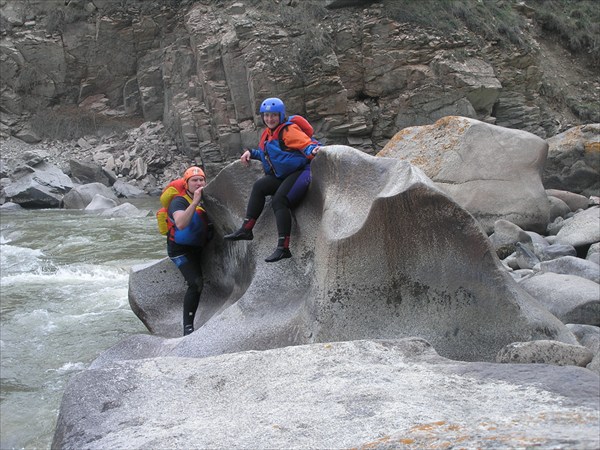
pixel 192 172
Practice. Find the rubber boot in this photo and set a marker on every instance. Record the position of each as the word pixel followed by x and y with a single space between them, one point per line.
pixel 244 233
pixel 188 329
pixel 282 251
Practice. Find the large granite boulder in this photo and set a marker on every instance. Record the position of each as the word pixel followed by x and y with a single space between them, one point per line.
pixel 492 172
pixel 379 252
pixel 359 394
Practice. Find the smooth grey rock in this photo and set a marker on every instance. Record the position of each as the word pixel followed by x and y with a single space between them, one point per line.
pixel 587 335
pixel 11 206
pixel 554 251
pixel 520 274
pixel 537 239
pixel 582 229
pixel 127 190
pixel 554 227
pixel 571 298
pixel 571 265
pixel 125 210
pixel 455 152
pixel 594 366
pixel 357 394
pixel 81 196
pixel 100 202
pixel 558 208
pixel 354 273
pixel 28 135
pixel 505 236
pixel 512 262
pixel 545 352
pixel 571 199
pixel 593 253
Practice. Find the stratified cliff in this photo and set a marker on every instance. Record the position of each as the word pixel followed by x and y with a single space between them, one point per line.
pixel 360 71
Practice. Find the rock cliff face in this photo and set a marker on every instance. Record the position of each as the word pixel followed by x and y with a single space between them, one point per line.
pixel 202 67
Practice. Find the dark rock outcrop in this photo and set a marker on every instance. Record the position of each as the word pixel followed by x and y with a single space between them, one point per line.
pixel 573 162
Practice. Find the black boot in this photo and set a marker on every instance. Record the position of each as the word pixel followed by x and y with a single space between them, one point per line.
pixel 240 235
pixel 188 329
pixel 282 251
pixel 244 233
pixel 279 253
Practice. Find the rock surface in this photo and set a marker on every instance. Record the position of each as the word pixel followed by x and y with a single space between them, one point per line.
pixel 571 298
pixel 574 160
pixel 493 172
pixel 359 73
pixel 354 274
pixel 359 394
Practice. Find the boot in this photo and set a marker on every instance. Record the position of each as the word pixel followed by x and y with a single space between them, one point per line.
pixel 240 235
pixel 244 233
pixel 282 251
pixel 188 329
pixel 279 253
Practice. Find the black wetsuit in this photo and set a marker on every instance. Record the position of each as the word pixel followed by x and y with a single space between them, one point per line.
pixel 188 259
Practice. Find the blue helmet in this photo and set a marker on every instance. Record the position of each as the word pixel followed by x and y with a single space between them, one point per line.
pixel 273 105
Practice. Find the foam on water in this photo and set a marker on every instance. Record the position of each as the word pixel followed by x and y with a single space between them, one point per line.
pixel 63 301
pixel 15 260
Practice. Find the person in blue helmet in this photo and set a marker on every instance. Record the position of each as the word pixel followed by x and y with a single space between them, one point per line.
pixel 285 150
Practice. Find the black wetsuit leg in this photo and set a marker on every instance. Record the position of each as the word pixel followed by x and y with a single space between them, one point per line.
pixel 290 192
pixel 263 187
pixel 191 270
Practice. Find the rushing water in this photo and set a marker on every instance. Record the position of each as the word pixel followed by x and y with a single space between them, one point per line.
pixel 63 299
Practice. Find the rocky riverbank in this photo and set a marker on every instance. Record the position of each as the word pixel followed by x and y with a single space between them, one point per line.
pixel 392 253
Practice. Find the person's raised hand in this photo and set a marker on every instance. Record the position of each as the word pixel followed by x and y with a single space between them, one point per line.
pixel 198 195
pixel 245 158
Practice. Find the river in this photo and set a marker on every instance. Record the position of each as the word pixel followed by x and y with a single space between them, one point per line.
pixel 64 278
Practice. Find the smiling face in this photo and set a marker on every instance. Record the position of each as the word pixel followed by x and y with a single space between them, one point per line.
pixel 271 119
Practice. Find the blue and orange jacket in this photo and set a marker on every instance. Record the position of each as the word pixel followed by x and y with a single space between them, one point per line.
pixel 284 150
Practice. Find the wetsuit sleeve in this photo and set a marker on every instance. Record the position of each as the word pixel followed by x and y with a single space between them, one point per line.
pixel 294 138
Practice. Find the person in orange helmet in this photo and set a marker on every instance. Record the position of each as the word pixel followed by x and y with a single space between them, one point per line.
pixel 189 229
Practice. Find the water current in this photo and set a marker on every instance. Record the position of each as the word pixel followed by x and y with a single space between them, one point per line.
pixel 64 278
